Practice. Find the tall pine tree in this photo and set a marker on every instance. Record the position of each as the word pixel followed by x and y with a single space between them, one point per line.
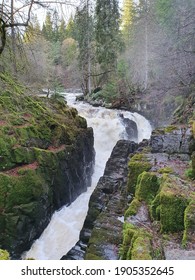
pixel 107 33
pixel 128 13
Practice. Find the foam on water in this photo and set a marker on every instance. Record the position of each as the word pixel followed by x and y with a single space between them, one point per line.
pixel 63 230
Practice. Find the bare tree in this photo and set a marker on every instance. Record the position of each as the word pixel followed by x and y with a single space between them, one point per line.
pixel 16 15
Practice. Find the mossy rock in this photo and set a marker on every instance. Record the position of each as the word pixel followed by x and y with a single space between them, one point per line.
pixel 92 253
pixel 193 128
pixel 189 222
pixel 133 208
pixel 137 164
pixel 141 249
pixel 21 190
pixel 170 204
pixel 4 255
pixel 147 187
pixel 193 165
pixel 38 139
pixel 167 170
pixel 170 128
pixel 90 256
pixel 155 208
pixel 136 244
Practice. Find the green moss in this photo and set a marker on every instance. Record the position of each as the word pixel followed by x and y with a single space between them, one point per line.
pixel 147 187
pixel 170 204
pixel 155 208
pixel 4 255
pixel 137 164
pixel 189 221
pixel 136 244
pixel 90 256
pixel 141 249
pixel 193 128
pixel 32 130
pixel 133 208
pixel 166 170
pixel 170 128
pixel 81 122
pixel 46 158
pixel 193 165
pixel 21 190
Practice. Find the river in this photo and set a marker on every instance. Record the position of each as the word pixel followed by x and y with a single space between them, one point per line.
pixel 62 233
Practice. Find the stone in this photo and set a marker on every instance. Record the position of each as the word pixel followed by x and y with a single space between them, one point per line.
pixel 105 207
pixel 171 140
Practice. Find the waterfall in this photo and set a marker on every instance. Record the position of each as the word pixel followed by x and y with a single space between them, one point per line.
pixel 62 233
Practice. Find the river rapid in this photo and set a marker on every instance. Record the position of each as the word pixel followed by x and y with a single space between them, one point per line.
pixel 63 231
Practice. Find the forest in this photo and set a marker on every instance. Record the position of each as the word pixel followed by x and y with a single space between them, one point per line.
pixel 124 48
pixel 135 61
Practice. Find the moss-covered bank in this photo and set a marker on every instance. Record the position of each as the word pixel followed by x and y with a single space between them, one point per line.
pixel 46 161
pixel 163 205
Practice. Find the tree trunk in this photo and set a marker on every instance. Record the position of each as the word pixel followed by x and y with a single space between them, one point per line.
pixel 13 37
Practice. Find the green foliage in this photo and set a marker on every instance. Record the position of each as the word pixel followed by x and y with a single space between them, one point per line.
pixel 4 255
pixel 84 35
pixel 47 30
pixel 127 19
pixel 69 51
pixel 190 173
pixel 107 33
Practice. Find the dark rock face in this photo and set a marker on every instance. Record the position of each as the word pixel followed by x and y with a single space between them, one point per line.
pixel 130 127
pixel 106 209
pixel 172 140
pixel 73 175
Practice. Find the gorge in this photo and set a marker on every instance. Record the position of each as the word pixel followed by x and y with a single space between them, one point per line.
pixel 65 226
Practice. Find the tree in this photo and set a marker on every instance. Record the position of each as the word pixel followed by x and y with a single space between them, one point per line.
pixel 70 31
pixel 107 34
pixel 84 37
pixel 127 19
pixel 48 28
pixel 62 30
pixel 177 19
pixel 17 16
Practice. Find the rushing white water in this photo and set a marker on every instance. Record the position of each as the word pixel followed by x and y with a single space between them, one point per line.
pixel 63 230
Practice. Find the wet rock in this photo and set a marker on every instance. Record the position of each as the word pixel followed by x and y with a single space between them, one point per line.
pixel 163 205
pixel 130 127
pixel 173 139
pixel 106 206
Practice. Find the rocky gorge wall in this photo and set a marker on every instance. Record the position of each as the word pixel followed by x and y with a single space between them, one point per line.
pixel 145 210
pixel 46 161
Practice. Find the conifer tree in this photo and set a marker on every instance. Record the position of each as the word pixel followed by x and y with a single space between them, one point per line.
pixel 128 13
pixel 107 33
pixel 62 30
pixel 47 29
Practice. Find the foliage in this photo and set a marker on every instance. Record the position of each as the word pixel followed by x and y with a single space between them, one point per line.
pixel 68 51
pixel 4 255
pixel 107 33
pixel 127 19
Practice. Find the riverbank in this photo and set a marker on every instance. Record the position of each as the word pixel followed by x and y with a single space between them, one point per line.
pixel 151 211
